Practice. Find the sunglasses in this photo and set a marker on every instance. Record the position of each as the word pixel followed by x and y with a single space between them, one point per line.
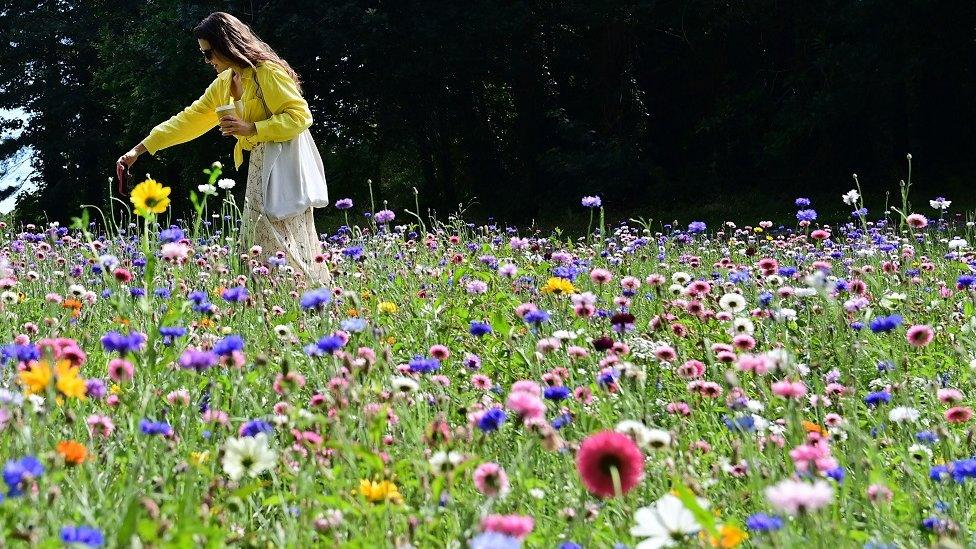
pixel 207 54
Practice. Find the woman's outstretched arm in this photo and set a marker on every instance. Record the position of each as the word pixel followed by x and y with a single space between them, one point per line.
pixel 289 111
pixel 189 124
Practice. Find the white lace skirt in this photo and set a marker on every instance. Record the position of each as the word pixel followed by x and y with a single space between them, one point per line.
pixel 295 239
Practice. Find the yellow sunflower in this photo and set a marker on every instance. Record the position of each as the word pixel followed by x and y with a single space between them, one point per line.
pixel 150 196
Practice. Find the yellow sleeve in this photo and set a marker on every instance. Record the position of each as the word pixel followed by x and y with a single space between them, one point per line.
pixel 189 124
pixel 289 111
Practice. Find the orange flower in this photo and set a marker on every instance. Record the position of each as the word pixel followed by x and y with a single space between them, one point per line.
pixel 74 452
pixel 812 427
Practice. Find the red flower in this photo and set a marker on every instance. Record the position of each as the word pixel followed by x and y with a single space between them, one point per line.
pixel 600 453
pixel 958 414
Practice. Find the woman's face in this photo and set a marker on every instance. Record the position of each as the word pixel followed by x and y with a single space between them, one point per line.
pixel 217 61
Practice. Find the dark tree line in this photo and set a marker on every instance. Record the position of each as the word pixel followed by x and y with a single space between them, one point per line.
pixel 521 106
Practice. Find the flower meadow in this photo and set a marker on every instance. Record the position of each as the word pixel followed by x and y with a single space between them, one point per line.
pixel 483 386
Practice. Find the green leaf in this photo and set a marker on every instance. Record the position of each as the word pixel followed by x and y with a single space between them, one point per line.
pixel 687 497
pixel 128 523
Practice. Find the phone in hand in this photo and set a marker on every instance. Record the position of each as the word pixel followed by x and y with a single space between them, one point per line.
pixel 124 178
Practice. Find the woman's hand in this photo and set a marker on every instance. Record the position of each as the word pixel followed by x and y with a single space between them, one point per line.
pixel 129 158
pixel 231 125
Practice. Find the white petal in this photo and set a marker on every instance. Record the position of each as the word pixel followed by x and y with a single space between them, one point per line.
pixel 655 543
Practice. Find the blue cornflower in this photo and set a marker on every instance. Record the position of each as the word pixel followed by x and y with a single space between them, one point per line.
pixel 316 299
pixel 591 202
pixel 419 364
pixel 537 316
pixel 353 252
pixel 802 202
pixel 786 272
pixel 927 437
pixel 234 295
pixel 229 344
pixel 860 212
pixel 137 292
pixel 744 423
pixel 806 215
pixel 557 393
pixel 963 469
pixel 568 272
pixel 883 324
pixel 198 296
pixel 83 535
pixel 149 427
pixel 879 397
pixel 965 281
pixel 255 426
pixel 765 298
pixel 114 341
pixel 857 325
pixel 608 378
pixel 15 472
pixel 495 540
pixel 170 333
pixel 172 234
pixel 492 420
pixel 561 421
pixel 838 474
pixel 761 522
pixel 569 545
pixel 354 325
pixel 696 227
pixel 736 277
pixel 20 353
pixel 479 328
pixel 164 293
pixel 330 344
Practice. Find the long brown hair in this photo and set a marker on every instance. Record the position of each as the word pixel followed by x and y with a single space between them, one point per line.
pixel 232 38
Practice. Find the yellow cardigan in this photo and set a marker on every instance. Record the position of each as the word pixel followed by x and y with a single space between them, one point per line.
pixel 289 114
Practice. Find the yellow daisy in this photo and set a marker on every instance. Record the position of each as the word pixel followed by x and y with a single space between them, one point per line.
pixel 383 490
pixel 558 286
pixel 67 381
pixel 150 196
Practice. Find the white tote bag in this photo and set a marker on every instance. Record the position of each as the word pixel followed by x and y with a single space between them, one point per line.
pixel 293 175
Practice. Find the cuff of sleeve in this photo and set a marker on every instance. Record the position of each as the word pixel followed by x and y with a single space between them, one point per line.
pixel 261 127
pixel 151 144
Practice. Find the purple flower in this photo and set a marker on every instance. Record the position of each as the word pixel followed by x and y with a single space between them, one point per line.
pixel 194 359
pixel 235 295
pixel 806 215
pixel 592 202
pixel 384 216
pixel 343 203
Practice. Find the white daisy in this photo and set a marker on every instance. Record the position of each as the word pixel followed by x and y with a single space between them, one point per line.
pixel 732 302
pixel 248 456
pixel 664 523
pixel 903 414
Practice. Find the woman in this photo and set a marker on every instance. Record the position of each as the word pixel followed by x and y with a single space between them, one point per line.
pixel 245 64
